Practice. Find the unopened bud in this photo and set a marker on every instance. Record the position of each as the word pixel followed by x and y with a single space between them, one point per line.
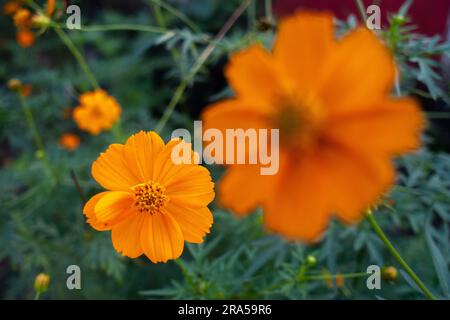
pixel 311 261
pixel 389 273
pixel 14 85
pixel 41 282
pixel 41 20
pixel 399 19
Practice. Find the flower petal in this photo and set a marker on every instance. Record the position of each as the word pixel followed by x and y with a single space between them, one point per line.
pixel 186 184
pixel 303 42
pixel 243 188
pixel 297 208
pixel 114 207
pixel 393 127
pixel 161 238
pixel 126 236
pixel 112 171
pixel 88 211
pixel 354 181
pixel 253 75
pixel 194 223
pixel 360 71
pixel 139 153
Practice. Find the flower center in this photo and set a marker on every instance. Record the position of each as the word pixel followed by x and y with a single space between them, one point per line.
pixel 150 197
pixel 96 112
pixel 298 119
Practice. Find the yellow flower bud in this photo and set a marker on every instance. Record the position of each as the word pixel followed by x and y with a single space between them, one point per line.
pixel 41 282
pixel 14 85
pixel 389 273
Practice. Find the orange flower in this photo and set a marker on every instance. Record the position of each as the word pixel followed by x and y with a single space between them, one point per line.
pixel 25 38
pixel 11 7
pixel 22 18
pixel 97 111
pixel 153 205
pixel 339 126
pixel 69 141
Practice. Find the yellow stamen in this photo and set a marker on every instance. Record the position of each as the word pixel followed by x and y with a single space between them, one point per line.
pixel 150 197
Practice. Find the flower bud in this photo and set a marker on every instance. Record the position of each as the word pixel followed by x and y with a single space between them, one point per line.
pixel 399 19
pixel 389 273
pixel 40 20
pixel 40 154
pixel 41 282
pixel 22 18
pixel 311 261
pixel 14 85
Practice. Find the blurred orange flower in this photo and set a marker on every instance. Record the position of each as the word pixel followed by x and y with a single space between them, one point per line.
pixel 25 38
pixel 339 126
pixel 26 90
pixel 69 141
pixel 153 205
pixel 11 7
pixel 97 111
pixel 22 18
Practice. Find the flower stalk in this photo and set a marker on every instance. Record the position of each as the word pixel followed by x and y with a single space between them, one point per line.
pixel 78 56
pixel 397 256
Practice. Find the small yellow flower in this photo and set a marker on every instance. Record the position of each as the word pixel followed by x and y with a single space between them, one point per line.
pixel 97 112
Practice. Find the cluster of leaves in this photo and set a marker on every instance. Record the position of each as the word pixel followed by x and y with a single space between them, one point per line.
pixel 42 228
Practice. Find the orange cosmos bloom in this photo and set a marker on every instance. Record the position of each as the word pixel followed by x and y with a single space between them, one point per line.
pixel 25 38
pixel 339 125
pixel 69 141
pixel 97 111
pixel 152 205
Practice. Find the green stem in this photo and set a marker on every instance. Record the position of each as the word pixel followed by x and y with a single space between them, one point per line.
pixel 162 24
pixel 118 27
pixel 362 10
pixel 398 257
pixel 335 276
pixel 31 124
pixel 78 56
pixel 268 10
pixel 198 65
pixel 251 16
pixel 176 13
pixel 37 296
pixel 35 133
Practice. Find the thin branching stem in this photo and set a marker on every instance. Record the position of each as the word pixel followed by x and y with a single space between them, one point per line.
pixel 78 56
pixel 180 15
pixel 198 65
